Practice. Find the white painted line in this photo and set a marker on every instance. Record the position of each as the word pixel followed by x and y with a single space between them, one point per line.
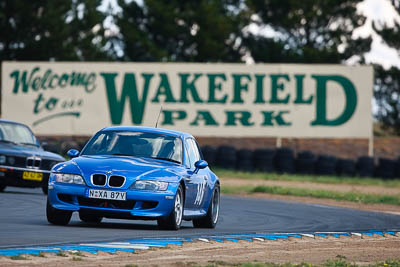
pixel 357 234
pixel 131 246
pixel 308 235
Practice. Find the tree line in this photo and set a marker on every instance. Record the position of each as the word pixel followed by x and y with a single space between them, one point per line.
pixel 288 31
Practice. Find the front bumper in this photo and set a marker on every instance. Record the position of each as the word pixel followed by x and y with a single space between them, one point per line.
pixel 23 177
pixel 138 204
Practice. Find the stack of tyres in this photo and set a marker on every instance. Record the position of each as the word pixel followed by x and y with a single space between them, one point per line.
pixel 386 168
pixel 264 160
pixel 67 145
pixel 52 147
pixel 210 154
pixel 226 157
pixel 284 160
pixel 305 162
pixel 82 144
pixel 365 166
pixel 397 169
pixel 346 167
pixel 244 160
pixel 326 165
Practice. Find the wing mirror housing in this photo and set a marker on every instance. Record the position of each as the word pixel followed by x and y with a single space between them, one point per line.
pixel 201 164
pixel 73 153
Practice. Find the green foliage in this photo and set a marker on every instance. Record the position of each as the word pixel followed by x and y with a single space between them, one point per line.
pixel 387 96
pixel 19 257
pixel 180 30
pixel 308 31
pixel 51 30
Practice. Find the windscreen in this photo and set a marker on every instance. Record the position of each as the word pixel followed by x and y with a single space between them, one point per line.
pixel 16 133
pixel 136 144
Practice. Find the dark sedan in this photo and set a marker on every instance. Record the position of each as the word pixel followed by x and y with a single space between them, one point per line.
pixel 23 162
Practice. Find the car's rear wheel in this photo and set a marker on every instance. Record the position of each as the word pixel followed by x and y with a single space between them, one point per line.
pixel 2 187
pixel 89 218
pixel 56 216
pixel 211 219
pixel 174 220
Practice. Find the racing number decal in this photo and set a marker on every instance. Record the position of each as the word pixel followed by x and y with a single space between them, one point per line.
pixel 200 192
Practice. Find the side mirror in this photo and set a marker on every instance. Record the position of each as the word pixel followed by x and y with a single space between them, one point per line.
pixel 201 164
pixel 73 153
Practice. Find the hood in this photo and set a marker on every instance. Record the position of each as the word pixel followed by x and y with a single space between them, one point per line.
pixel 130 167
pixel 27 151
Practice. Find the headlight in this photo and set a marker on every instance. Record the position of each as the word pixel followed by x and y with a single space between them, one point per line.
pixel 69 178
pixel 2 159
pixel 150 185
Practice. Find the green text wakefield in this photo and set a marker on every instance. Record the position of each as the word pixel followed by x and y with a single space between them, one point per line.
pixel 219 92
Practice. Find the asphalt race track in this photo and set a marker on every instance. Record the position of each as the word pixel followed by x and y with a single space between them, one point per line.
pixel 23 221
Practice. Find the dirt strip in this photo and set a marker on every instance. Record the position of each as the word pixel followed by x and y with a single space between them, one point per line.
pixel 353 249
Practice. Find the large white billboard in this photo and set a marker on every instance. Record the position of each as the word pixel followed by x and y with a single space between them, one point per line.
pixel 275 100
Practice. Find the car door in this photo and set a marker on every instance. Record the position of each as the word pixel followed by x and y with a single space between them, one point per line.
pixel 195 182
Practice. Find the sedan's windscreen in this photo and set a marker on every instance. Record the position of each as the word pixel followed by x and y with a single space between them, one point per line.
pixel 17 134
pixel 137 144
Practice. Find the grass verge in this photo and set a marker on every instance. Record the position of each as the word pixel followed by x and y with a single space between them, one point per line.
pixel 304 192
pixel 306 178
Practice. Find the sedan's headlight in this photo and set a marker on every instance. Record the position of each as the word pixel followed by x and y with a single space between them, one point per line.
pixel 150 185
pixel 69 178
pixel 2 159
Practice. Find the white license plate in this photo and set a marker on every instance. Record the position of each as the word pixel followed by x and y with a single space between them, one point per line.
pixel 104 194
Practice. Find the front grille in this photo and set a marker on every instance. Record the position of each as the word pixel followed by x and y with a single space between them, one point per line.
pixel 105 203
pixel 20 162
pixel 99 179
pixel 33 162
pixel 36 163
pixel 48 164
pixel 116 181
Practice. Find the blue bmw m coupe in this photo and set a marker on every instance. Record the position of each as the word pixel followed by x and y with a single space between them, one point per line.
pixel 135 173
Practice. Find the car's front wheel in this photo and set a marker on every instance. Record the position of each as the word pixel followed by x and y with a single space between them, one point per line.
pixel 174 220
pixel 89 218
pixel 211 219
pixel 56 216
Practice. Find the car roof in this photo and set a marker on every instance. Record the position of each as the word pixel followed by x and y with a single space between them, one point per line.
pixel 148 130
pixel 13 122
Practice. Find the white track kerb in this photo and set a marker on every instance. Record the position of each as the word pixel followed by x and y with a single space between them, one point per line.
pixel 143 244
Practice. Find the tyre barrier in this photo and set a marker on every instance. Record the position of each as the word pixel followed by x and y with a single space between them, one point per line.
pixel 284 160
pixel 346 167
pixel 210 154
pixel 397 169
pixel 52 147
pixel 264 160
pixel 326 165
pixel 67 145
pixel 244 160
pixel 386 168
pixel 305 162
pixel 226 157
pixel 365 166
